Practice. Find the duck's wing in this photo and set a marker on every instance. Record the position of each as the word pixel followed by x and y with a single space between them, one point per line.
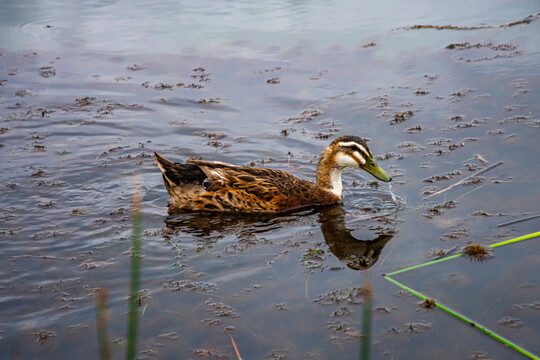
pixel 242 188
pixel 218 186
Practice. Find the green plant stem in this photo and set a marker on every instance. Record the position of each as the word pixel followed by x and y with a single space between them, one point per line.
pixel 466 320
pixel 454 313
pixel 506 242
pixel 101 324
pixel 367 316
pixel 135 283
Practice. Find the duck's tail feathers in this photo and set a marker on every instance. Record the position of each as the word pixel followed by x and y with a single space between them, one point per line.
pixel 178 175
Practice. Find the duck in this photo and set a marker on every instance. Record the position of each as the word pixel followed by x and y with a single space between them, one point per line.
pixel 201 185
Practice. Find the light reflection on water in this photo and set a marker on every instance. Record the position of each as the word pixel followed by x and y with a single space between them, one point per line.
pixel 77 125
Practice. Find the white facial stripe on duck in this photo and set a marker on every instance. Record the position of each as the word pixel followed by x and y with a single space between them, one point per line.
pixel 359 157
pixel 353 144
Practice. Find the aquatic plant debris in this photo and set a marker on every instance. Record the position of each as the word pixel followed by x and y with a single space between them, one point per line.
pixel 453 312
pixel 491 167
pixel 500 50
pixel 519 220
pixel 476 252
pixel 428 303
pixel 526 20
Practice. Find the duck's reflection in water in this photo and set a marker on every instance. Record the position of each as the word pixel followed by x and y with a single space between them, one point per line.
pixel 357 254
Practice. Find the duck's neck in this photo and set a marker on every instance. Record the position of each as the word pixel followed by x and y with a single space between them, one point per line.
pixel 329 173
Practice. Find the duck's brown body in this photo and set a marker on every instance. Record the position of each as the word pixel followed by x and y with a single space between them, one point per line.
pixel 218 186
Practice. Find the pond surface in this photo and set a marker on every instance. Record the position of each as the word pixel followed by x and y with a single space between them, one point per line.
pixel 89 91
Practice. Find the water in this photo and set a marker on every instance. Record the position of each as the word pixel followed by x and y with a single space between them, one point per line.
pixel 86 97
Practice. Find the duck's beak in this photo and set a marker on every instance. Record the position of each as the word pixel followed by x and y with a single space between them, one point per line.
pixel 374 169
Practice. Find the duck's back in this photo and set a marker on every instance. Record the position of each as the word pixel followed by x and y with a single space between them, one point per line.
pixel 217 186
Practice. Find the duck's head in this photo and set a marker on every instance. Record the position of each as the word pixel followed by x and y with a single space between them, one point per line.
pixel 352 151
pixel 346 151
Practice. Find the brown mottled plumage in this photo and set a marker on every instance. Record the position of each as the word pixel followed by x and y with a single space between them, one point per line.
pixel 218 186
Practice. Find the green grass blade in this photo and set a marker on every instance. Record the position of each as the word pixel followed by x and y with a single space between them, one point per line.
pixel 466 320
pixel 135 282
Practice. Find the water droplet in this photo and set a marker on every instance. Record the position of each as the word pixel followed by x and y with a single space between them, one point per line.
pixel 392 193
